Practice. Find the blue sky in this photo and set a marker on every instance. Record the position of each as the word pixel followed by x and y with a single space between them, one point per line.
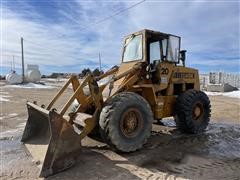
pixel 62 36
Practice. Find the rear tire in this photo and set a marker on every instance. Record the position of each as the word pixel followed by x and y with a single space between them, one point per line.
pixel 192 111
pixel 126 122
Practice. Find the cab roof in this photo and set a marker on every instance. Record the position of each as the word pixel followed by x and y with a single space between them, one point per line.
pixel 150 33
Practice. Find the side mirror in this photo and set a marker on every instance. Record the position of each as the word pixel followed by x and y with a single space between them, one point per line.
pixel 183 56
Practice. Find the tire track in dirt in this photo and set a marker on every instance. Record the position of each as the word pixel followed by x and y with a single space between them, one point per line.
pixel 208 169
pixel 212 155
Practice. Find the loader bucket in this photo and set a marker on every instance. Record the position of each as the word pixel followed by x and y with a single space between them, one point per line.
pixel 50 139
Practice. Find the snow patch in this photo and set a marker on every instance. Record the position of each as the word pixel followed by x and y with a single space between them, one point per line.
pixel 30 85
pixel 13 132
pixel 10 133
pixel 3 92
pixel 12 114
pixel 21 126
pixel 4 98
pixel 55 79
pixel 233 94
pixel 209 93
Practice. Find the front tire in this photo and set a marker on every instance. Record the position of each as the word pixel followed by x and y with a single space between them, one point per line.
pixel 192 111
pixel 126 122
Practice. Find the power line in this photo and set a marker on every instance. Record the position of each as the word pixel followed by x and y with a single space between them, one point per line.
pixel 41 46
pixel 119 12
pixel 86 27
pixel 45 49
pixel 10 55
pixel 91 24
pixel 111 16
pixel 37 55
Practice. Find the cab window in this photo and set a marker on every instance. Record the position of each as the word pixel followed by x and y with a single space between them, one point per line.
pixel 173 48
pixel 133 48
pixel 155 51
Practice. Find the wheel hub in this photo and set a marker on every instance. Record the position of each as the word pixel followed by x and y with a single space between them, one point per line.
pixel 131 122
pixel 198 111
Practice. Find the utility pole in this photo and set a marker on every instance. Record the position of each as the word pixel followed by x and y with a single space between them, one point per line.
pixel 13 64
pixel 100 63
pixel 23 76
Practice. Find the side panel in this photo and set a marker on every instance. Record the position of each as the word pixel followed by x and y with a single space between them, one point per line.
pixel 186 76
pixel 174 80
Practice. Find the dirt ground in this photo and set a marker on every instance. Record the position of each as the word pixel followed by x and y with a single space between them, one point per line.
pixel 169 154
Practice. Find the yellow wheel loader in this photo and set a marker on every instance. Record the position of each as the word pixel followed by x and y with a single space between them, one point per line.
pixel 151 83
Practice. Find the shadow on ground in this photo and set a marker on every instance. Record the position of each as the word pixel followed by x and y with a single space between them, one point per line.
pixel 168 154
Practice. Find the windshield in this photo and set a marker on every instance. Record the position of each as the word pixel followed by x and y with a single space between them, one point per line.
pixel 133 48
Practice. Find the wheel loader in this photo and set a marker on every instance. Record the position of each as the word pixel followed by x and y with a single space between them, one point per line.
pixel 151 83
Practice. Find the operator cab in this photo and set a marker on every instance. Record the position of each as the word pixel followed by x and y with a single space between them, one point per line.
pixel 152 47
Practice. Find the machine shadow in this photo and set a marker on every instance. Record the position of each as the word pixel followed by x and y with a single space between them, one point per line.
pixel 159 158
pixel 94 165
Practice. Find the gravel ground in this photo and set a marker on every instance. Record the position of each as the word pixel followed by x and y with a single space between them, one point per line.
pixel 168 154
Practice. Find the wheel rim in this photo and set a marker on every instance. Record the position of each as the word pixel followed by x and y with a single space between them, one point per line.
pixel 131 122
pixel 198 111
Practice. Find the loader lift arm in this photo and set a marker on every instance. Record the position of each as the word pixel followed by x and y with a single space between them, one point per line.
pixel 49 132
pixel 95 97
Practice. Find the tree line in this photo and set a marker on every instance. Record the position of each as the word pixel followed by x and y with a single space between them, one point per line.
pixel 83 73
